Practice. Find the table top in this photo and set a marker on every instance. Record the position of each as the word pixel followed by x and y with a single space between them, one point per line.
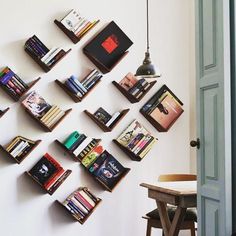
pixel 174 188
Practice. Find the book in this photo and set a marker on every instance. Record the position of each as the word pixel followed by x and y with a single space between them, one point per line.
pixel 79 84
pixel 92 156
pixel 128 81
pixel 36 104
pixel 110 171
pixel 130 132
pixel 71 19
pixel 81 138
pixel 167 111
pixel 113 119
pixel 107 47
pixel 45 168
pixel 102 115
pixel 56 119
pixel 73 137
pixel 83 145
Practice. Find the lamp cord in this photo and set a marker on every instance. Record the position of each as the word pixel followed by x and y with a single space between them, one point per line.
pixel 147 28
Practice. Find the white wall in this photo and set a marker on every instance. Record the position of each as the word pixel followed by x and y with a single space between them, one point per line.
pixel 24 210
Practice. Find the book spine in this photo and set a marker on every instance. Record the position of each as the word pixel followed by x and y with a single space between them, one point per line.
pixel 72 88
pixel 113 118
pixel 76 86
pixel 147 149
pixel 93 82
pixel 56 119
pixel 79 84
pixel 55 59
pixel 81 138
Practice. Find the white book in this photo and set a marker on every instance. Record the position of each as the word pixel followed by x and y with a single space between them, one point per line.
pixel 79 84
pixel 79 205
pixel 91 74
pixel 52 55
pixel 115 115
pixel 22 148
pixel 87 198
pixel 48 54
pixel 80 22
pixel 80 19
pixel 94 77
pixel 71 19
pixel 52 116
pixel 18 147
pixel 56 119
pixel 82 146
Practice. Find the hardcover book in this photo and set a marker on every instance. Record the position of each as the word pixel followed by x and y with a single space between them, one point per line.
pixel 128 81
pixel 110 171
pixel 102 115
pixel 107 47
pixel 36 105
pixel 45 169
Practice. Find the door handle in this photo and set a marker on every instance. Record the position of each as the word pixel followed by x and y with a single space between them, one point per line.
pixel 195 143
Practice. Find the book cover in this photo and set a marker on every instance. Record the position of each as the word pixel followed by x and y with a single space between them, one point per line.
pixel 128 81
pixel 92 156
pixel 167 111
pixel 102 115
pixel 108 45
pixel 110 171
pixel 36 104
pixel 43 170
pixel 130 133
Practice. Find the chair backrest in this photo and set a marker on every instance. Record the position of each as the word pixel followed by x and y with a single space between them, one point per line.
pixel 177 177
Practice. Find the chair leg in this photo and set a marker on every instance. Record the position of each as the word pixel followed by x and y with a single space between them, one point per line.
pixel 149 229
pixel 192 229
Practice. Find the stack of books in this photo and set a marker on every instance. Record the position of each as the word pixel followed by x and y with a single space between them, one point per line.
pixel 81 203
pixel 12 83
pixel 49 173
pixel 80 88
pixel 49 115
pixel 95 159
pixel 136 86
pixel 77 24
pixel 49 57
pixel 164 108
pixel 19 147
pixel 80 145
pixel 137 139
pixel 107 119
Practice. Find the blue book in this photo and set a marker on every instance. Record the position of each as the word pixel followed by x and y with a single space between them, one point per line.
pixel 76 86
pixel 71 87
pixel 78 83
pixel 93 82
pixel 6 77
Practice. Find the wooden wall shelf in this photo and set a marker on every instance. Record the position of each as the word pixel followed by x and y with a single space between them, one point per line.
pixel 17 99
pixel 81 221
pixel 103 126
pixel 73 96
pixel 54 187
pixel 46 128
pixel 129 96
pixel 2 113
pixel 70 34
pixel 44 66
pixel 27 154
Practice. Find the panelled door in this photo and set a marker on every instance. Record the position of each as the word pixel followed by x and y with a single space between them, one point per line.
pixel 213 117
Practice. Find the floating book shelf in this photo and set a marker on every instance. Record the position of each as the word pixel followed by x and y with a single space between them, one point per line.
pixel 13 85
pixel 3 112
pixel 135 141
pixel 92 79
pixel 45 127
pixel 48 173
pixel 73 37
pixel 24 153
pixel 99 163
pixel 108 47
pixel 162 109
pixel 103 126
pixel 69 152
pixel 67 173
pixel 129 96
pixel 80 204
pixel 44 57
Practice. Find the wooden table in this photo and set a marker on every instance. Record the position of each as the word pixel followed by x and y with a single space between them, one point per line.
pixel 182 194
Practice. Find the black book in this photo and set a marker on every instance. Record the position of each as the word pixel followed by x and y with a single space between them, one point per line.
pixel 102 115
pixel 81 138
pixel 109 45
pixel 43 170
pixel 110 171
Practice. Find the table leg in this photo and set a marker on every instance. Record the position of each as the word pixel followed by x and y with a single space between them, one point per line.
pixel 165 220
pixel 177 221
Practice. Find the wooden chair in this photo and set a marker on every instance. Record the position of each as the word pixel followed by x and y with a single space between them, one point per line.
pixel 153 217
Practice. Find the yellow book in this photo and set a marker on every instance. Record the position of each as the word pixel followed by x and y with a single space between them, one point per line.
pixel 52 117
pixel 48 113
pixel 55 111
pixel 87 29
pixel 12 143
